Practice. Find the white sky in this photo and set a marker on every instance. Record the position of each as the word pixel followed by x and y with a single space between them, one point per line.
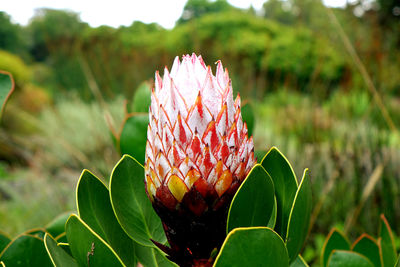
pixel 118 12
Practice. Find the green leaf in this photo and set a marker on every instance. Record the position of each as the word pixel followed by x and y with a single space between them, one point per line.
pixel 65 247
pixel 152 257
pixel 58 256
pixel 37 232
pixel 4 241
pixel 134 136
pixel 131 205
pixel 142 98
pixel 299 220
pixel 62 238
pixel 87 247
pixel 388 249
pixel 94 208
pixel 368 247
pixel 253 203
pixel 26 250
pixel 398 261
pixel 272 219
pixel 57 226
pixel 6 88
pixel 285 184
pixel 248 117
pixel 259 154
pixel 252 246
pixel 334 241
pixel 341 258
pixel 299 262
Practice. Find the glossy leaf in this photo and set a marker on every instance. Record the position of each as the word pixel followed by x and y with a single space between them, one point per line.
pixel 248 117
pixel 57 255
pixel 131 205
pixel 6 88
pixel 94 208
pixel 252 246
pixel 299 262
pixel 388 249
pixel 367 246
pixel 57 226
pixel 37 232
pixel 272 219
pixel 87 247
pixel 134 136
pixel 341 258
pixel 254 201
pixel 285 184
pixel 62 238
pixel 26 250
pixel 142 98
pixel 299 220
pixel 152 257
pixel 4 241
pixel 65 247
pixel 259 154
pixel 334 241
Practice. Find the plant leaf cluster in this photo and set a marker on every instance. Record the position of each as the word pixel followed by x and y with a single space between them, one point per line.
pixel 116 224
pixel 365 251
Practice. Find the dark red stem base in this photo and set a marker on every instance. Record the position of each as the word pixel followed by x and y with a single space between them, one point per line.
pixel 192 237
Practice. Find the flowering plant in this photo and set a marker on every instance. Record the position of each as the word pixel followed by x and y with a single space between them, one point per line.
pixel 197 154
pixel 200 199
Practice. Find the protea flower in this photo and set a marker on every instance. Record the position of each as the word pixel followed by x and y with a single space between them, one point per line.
pixel 197 155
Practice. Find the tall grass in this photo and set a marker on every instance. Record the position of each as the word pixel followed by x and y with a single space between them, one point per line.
pixel 352 157
pixel 67 138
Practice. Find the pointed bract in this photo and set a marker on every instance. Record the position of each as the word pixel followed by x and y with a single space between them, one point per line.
pixel 193 114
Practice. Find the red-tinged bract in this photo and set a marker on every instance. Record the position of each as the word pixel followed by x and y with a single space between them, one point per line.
pixel 197 154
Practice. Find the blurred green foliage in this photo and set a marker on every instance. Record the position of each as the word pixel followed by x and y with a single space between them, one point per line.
pixel 290 43
pixel 307 96
pixel 12 35
pixel 198 8
pixel 16 66
pixel 44 31
pixel 142 98
pixel 344 143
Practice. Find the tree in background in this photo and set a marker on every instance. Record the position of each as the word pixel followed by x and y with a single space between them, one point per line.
pixel 292 45
pixel 11 35
pixel 197 8
pixel 51 28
